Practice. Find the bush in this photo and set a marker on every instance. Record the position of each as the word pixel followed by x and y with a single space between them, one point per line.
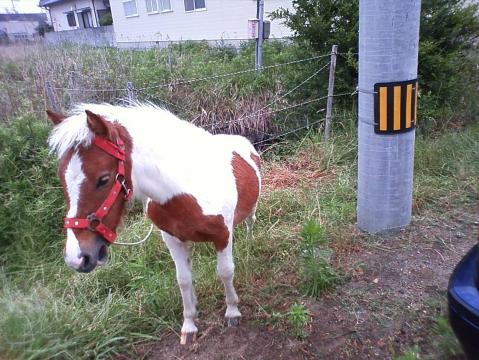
pixel 447 51
pixel 31 203
pixel 106 19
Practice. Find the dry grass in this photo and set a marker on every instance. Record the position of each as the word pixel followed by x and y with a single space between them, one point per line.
pixel 298 170
pixel 233 104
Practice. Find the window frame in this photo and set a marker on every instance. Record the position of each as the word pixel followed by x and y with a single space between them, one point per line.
pixel 20 36
pixel 151 2
pixel 72 16
pixel 164 10
pixel 158 7
pixel 195 8
pixel 136 7
pixel 89 18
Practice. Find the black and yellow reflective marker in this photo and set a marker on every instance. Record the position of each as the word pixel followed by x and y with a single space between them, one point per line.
pixel 395 106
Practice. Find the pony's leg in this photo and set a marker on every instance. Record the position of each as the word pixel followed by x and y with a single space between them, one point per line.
pixel 180 253
pixel 250 220
pixel 225 268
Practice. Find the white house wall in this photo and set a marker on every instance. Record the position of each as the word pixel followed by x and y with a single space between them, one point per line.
pixel 59 18
pixel 222 20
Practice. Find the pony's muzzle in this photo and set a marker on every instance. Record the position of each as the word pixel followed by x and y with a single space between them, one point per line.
pixel 92 256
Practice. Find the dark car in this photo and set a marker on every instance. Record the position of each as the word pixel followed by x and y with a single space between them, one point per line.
pixel 463 297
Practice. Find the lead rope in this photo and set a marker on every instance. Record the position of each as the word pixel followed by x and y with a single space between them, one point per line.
pixel 136 242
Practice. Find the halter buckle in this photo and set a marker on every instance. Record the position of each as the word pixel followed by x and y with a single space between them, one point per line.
pixel 121 179
pixel 93 222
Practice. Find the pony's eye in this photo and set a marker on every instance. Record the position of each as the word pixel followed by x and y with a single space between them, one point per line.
pixel 102 181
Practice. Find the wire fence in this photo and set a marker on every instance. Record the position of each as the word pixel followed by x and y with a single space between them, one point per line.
pixel 259 134
pixel 200 79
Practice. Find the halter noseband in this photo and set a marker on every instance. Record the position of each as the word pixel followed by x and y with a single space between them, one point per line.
pixel 94 221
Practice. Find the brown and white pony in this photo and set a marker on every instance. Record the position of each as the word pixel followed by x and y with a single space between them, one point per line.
pixel 196 185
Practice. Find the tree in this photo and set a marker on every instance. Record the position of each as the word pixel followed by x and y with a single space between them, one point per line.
pixel 319 24
pixel 449 32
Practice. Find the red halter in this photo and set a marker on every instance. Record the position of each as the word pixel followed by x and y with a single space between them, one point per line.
pixel 94 221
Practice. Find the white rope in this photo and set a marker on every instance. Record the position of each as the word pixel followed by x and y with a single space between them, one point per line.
pixel 136 242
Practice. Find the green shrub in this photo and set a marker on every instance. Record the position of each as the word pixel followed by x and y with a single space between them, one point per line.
pixel 447 51
pixel 31 201
pixel 106 19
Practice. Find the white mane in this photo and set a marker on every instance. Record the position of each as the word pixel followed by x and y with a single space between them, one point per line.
pixel 73 131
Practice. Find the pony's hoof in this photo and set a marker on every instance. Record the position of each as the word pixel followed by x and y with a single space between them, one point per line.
pixel 232 321
pixel 188 338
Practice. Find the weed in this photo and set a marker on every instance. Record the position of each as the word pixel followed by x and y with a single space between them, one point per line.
pixel 298 319
pixel 410 354
pixel 312 234
pixel 317 274
pixel 444 339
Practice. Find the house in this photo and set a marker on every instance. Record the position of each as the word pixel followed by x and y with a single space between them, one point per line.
pixel 16 27
pixel 77 14
pixel 143 23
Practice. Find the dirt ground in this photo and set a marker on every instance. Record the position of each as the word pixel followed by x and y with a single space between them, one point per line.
pixel 389 304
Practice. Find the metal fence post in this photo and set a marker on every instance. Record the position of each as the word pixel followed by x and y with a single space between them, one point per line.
pixel 329 105
pixel 51 96
pixel 259 40
pixel 130 91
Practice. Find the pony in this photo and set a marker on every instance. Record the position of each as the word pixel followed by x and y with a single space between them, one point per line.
pixel 196 187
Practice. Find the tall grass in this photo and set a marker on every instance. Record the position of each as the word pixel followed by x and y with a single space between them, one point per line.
pixel 101 75
pixel 48 311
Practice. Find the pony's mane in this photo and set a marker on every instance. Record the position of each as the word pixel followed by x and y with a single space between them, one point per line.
pixel 74 131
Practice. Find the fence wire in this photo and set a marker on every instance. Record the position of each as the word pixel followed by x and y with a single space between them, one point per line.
pixel 263 111
pixel 173 83
pixel 205 78
pixel 278 98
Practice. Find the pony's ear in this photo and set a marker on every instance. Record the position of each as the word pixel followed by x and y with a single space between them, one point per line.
pixel 55 118
pixel 97 124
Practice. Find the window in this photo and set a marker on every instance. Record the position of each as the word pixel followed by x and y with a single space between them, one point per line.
pixel 71 19
pixel 165 5
pixel 151 6
pixel 86 20
pixel 192 5
pixel 154 6
pixel 20 36
pixel 129 7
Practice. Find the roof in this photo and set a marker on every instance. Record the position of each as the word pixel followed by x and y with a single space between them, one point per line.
pixel 44 3
pixel 40 17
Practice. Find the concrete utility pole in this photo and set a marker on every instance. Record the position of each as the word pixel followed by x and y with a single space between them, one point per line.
pixel 259 39
pixel 388 53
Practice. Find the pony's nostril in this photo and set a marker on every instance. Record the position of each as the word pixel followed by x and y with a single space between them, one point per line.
pixel 103 254
pixel 86 261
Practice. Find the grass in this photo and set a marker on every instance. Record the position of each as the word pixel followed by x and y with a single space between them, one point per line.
pixel 444 339
pixel 160 76
pixel 48 311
